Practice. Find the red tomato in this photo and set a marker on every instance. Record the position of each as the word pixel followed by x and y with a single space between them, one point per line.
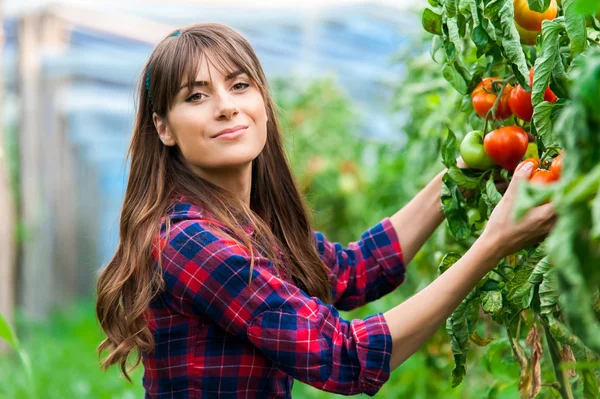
pixel 556 165
pixel 541 176
pixel 506 146
pixel 548 94
pixel 532 20
pixel 519 103
pixel 535 161
pixel 483 99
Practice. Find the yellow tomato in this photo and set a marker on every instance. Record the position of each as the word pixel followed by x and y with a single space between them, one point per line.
pixel 527 36
pixel 532 20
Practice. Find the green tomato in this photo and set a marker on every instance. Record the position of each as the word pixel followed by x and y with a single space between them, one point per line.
pixel 475 219
pixel 473 153
pixel 532 151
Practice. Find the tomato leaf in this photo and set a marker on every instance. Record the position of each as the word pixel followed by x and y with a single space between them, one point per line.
pixel 447 261
pixel 520 290
pixel 545 275
pixel 491 195
pixel 587 7
pixel 501 14
pixel 544 114
pixel 449 148
pixel 575 256
pixel 583 354
pixel 460 325
pixel 432 22
pixel 456 215
pixel 453 76
pixel 575 24
pixel 491 302
pixel 549 56
pixel 462 180
pixel 538 5
pixel 479 341
pixel 436 44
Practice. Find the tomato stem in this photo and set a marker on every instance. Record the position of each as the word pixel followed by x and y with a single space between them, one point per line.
pixel 501 274
pixel 561 374
pixel 504 83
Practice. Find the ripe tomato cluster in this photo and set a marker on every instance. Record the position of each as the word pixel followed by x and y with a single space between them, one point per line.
pixel 513 100
pixel 529 23
pixel 542 175
pixel 507 145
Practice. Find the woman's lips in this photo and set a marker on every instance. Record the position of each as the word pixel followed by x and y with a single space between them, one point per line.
pixel 233 135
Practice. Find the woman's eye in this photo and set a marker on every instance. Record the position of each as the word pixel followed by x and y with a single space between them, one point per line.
pixel 195 97
pixel 241 85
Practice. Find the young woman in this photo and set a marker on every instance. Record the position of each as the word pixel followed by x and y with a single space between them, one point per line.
pixel 219 283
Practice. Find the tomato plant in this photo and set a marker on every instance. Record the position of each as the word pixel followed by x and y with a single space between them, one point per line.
pixel 548 58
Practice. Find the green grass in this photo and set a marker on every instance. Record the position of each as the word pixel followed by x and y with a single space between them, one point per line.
pixel 64 360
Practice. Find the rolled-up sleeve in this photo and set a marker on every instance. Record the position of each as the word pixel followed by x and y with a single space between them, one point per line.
pixel 208 275
pixel 367 269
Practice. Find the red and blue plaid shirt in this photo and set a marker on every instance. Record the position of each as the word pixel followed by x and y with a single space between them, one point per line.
pixel 217 336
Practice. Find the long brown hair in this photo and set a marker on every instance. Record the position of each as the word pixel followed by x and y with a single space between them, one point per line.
pixel 159 173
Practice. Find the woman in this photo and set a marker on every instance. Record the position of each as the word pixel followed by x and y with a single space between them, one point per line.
pixel 219 283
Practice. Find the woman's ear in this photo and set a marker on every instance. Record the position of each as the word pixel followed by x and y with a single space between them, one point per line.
pixel 164 132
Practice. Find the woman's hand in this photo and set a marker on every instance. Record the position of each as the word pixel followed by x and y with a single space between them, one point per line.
pixel 510 236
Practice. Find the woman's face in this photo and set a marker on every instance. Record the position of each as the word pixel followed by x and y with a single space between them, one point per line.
pixel 216 103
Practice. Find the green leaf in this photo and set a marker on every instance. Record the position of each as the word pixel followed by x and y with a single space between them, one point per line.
pixel 537 275
pixel 520 290
pixel 449 148
pixel 501 14
pixel 491 302
pixel 530 196
pixel 456 215
pixel 432 22
pixel 462 180
pixel 491 195
pixel 435 45
pixel 538 5
pixel 582 354
pixel 7 334
pixel 575 25
pixel 454 77
pixel 548 57
pixel 460 325
pixel 548 290
pixel 452 8
pixel 543 123
pixel 447 261
pixel 587 7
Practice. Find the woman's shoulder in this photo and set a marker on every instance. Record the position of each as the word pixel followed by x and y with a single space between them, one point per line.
pixel 184 212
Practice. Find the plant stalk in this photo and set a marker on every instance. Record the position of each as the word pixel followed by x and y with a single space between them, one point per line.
pixel 562 376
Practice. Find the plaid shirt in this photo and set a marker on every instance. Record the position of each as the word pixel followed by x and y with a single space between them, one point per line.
pixel 217 336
